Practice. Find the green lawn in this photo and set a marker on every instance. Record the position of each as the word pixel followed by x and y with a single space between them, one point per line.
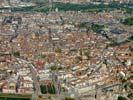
pixel 14 97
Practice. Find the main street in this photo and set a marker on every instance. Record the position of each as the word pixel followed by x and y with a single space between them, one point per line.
pixel 35 80
pixel 37 91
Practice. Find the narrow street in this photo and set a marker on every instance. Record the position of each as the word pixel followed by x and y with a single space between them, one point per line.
pixel 36 83
pixel 37 90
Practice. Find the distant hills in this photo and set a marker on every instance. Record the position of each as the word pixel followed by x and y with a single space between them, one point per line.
pixel 5 3
pixel 16 3
pixel 43 6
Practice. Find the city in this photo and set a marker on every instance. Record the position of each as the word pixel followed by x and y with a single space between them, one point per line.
pixel 66 50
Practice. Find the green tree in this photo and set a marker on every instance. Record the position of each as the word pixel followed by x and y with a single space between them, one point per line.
pixel 53 68
pixel 97 28
pixel 16 53
pixel 87 54
pixel 69 98
pixel 128 21
pixel 58 50
pixel 122 98
pixel 43 89
pixel 51 89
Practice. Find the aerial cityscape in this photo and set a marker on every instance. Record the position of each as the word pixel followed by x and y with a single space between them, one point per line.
pixel 66 49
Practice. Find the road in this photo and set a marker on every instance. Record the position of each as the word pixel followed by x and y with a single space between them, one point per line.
pixel 37 90
pixel 36 82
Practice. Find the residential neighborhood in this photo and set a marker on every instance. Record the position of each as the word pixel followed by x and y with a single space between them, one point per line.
pixel 66 55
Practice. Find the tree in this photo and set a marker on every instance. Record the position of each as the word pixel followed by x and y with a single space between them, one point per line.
pixel 68 98
pixel 130 95
pixel 78 59
pixel 97 28
pixel 58 50
pixel 41 56
pixel 43 89
pixel 87 54
pixel 122 98
pixel 53 68
pixel 16 53
pixel 128 21
pixel 50 88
